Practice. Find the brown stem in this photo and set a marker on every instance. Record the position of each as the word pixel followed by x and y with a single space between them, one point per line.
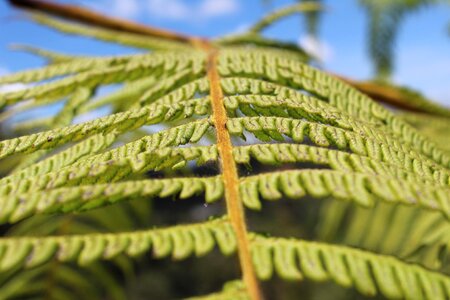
pixel 230 177
pixel 82 15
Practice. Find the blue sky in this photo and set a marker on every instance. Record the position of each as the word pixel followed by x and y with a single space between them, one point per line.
pixel 423 46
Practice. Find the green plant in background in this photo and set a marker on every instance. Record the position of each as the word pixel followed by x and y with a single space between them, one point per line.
pixel 231 125
pixel 385 18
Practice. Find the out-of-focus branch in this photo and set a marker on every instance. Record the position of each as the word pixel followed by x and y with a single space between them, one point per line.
pixel 89 17
pixel 381 93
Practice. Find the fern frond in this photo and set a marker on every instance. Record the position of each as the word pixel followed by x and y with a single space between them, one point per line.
pixel 435 128
pixel 367 272
pixel 64 117
pixel 51 56
pixel 275 128
pixel 106 167
pixel 114 123
pixel 291 259
pixel 86 197
pixel 359 186
pixel 178 242
pixel 304 7
pixel 180 118
pixel 117 73
pixel 257 40
pixel 231 290
pixel 64 68
pixel 260 65
pixel 67 157
pixel 96 280
pixel 407 232
pixel 355 187
pixel 34 284
pixel 284 153
pixel 131 90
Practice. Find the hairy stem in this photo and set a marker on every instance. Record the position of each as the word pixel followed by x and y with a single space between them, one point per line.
pixel 230 178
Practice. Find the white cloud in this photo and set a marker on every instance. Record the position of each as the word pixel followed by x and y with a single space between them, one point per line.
pixel 13 87
pixel 128 9
pixel 320 50
pixel 10 87
pixel 178 10
pixel 169 9
pixel 181 11
pixel 213 8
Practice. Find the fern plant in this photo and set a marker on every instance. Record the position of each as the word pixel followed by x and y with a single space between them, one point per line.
pixel 385 17
pixel 276 129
